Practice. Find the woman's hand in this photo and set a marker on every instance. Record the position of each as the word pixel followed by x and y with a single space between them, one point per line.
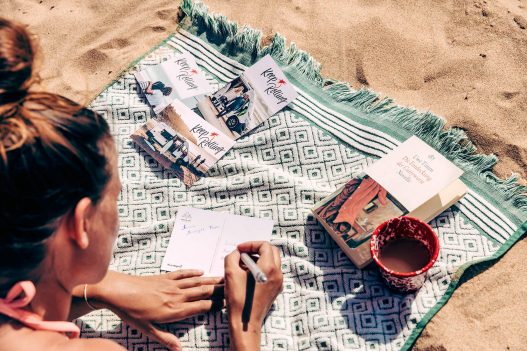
pixel 144 301
pixel 249 302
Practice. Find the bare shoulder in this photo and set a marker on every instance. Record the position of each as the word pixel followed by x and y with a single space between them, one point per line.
pixel 14 337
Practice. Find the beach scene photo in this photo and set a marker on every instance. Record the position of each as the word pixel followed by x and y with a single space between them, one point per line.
pixel 182 141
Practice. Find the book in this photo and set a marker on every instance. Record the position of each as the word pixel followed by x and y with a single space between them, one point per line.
pixel 248 100
pixel 189 144
pixel 182 141
pixel 202 238
pixel 177 78
pixel 413 180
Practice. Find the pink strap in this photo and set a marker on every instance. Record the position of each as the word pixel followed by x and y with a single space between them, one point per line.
pixel 19 297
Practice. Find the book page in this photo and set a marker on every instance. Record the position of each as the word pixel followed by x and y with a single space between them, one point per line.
pixel 413 172
pixel 201 239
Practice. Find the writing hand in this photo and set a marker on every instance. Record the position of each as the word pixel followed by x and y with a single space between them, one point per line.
pixel 246 330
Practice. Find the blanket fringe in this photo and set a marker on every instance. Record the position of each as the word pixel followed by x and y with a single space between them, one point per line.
pixel 452 142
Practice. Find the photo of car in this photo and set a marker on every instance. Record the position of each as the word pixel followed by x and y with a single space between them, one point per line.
pixel 232 108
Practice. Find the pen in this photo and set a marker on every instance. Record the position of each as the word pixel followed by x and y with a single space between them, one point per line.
pixel 257 273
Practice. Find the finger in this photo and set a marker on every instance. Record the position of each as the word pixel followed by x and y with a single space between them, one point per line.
pixel 232 261
pixel 184 273
pixel 254 246
pixel 166 338
pixel 277 258
pixel 235 275
pixel 263 248
pixel 203 292
pixel 198 307
pixel 197 281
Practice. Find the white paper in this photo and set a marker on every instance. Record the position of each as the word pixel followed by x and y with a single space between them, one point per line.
pixel 201 239
pixel 207 137
pixel 270 82
pixel 413 172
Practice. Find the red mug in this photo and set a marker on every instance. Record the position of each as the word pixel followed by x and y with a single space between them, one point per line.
pixel 404 227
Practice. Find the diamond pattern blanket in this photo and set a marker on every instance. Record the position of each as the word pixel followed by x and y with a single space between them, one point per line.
pixel 280 170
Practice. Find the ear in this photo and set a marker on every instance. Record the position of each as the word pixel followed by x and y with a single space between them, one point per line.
pixel 80 223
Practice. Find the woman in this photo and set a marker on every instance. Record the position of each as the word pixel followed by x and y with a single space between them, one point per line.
pixel 58 221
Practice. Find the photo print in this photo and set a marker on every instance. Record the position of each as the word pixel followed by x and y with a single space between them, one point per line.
pixel 355 212
pixel 248 100
pixel 179 77
pixel 182 141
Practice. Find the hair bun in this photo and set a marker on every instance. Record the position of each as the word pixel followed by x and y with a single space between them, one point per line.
pixel 16 61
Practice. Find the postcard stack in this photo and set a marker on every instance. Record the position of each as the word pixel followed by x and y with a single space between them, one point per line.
pixel 413 179
pixel 194 127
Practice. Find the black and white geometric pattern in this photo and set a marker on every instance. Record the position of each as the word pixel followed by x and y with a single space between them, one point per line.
pixel 279 171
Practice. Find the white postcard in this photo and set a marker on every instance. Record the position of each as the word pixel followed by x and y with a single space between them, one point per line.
pixel 414 172
pixel 202 238
pixel 177 78
pixel 248 100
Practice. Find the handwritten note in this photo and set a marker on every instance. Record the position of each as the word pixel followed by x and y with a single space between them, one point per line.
pixel 201 239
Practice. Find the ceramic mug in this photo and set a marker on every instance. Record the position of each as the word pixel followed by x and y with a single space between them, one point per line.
pixel 400 228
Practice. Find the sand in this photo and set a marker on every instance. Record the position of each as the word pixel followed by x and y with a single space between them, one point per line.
pixel 464 60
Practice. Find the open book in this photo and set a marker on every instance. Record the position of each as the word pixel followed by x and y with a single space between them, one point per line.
pixel 248 100
pixel 413 179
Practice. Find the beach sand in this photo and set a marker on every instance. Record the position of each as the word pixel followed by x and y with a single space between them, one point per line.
pixel 463 60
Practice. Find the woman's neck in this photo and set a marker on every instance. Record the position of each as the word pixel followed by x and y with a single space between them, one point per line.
pixel 52 300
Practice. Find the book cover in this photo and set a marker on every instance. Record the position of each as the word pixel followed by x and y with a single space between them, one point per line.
pixel 179 78
pixel 413 179
pixel 248 100
pixel 182 141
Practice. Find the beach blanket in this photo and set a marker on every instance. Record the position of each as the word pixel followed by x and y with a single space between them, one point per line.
pixel 280 171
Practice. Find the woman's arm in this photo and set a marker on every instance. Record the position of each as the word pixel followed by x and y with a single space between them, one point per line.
pixel 79 307
pixel 145 301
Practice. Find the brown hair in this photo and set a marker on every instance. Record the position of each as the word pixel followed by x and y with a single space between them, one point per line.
pixel 52 154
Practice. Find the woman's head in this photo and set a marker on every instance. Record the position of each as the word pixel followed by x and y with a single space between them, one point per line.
pixel 58 178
